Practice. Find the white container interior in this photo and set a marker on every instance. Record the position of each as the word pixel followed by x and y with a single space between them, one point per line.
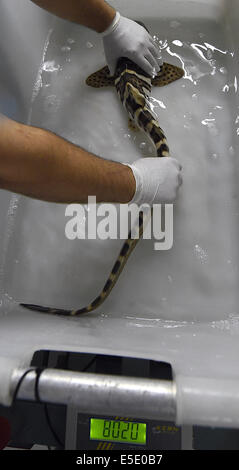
pixel 179 306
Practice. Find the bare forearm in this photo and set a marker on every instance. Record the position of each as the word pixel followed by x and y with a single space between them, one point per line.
pixel 95 14
pixel 39 164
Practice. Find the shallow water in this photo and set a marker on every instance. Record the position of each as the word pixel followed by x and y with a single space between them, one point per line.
pixel 195 281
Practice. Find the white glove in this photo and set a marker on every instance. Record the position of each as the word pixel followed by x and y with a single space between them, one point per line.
pixel 157 180
pixel 126 38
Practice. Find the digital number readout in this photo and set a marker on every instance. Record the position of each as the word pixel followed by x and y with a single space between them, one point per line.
pixel 120 431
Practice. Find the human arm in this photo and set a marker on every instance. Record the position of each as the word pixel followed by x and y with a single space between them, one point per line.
pixel 94 14
pixel 42 165
pixel 39 164
pixel 122 37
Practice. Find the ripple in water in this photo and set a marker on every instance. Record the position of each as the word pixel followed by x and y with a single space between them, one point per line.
pixel 52 104
pixel 211 125
pixel 201 254
pixel 66 49
pixel 50 66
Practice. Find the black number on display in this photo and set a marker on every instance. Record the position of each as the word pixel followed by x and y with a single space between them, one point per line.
pixel 125 430
pixel 116 429
pixel 106 430
pixel 134 431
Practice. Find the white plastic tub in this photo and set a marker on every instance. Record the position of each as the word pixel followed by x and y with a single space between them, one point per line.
pixel 179 306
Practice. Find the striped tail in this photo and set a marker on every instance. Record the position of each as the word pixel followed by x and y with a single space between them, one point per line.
pixel 156 134
pixel 125 252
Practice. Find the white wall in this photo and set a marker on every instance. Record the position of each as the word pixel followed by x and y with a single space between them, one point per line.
pixel 171 8
pixel 23 29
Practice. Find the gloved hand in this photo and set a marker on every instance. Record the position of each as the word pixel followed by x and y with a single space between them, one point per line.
pixel 126 38
pixel 157 180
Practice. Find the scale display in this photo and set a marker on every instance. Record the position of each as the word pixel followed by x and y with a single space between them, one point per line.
pixel 118 431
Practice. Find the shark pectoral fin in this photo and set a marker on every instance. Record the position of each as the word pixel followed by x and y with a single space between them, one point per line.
pixel 100 79
pixel 132 126
pixel 168 74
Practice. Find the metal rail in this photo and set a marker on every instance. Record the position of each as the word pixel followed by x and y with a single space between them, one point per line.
pixel 100 394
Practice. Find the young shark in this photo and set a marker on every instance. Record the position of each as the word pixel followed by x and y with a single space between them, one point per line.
pixel 133 86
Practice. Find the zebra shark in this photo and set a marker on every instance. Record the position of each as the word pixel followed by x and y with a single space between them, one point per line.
pixel 133 86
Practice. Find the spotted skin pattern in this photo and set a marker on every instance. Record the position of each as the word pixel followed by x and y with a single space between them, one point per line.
pixel 133 86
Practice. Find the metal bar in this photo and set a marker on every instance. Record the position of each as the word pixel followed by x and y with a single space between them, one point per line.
pixel 101 394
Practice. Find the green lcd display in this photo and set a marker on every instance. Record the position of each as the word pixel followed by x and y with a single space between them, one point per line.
pixel 119 431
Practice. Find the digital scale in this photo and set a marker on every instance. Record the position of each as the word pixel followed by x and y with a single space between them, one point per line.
pixel 101 432
pixel 85 432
